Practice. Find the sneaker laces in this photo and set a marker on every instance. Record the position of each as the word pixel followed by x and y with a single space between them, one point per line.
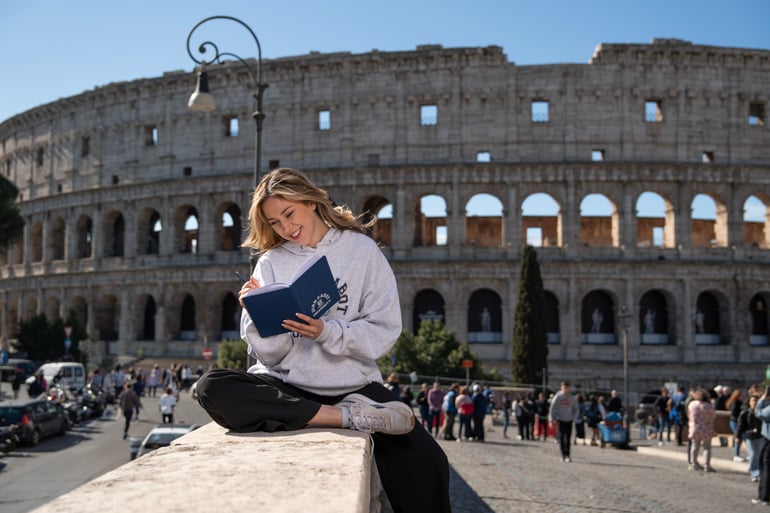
pixel 367 419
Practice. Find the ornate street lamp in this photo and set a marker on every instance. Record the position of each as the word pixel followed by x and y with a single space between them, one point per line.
pixel 203 101
pixel 625 318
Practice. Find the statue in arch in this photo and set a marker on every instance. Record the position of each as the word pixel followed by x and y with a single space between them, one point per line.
pixel 596 318
pixel 649 321
pixel 486 320
pixel 699 322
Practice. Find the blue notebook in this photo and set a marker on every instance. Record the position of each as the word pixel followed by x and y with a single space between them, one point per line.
pixel 312 291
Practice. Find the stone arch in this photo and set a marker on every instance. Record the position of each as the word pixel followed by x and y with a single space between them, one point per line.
pixel 653 317
pixel 655 221
pixel 58 238
pixel 599 225
pixel 485 317
pixel 36 242
pixel 758 318
pixel 710 317
pixel 52 308
pixel 79 308
pixel 114 234
pixel 229 230
pixel 756 221
pixel 84 230
pixel 428 305
pixel 430 221
pixel 230 318
pixel 484 221
pixel 709 221
pixel 186 224
pixel 149 228
pixel 380 206
pixel 187 318
pixel 597 318
pixel 551 313
pixel 30 307
pixel 148 307
pixel 541 220
pixel 107 318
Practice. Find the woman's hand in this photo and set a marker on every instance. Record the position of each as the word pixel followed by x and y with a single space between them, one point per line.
pixel 247 287
pixel 309 328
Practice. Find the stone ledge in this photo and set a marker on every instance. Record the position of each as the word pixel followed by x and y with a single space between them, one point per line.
pixel 211 469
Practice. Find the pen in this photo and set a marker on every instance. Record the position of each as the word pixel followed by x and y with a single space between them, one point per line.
pixel 239 275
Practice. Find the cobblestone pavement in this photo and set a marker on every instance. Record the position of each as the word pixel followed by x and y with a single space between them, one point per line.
pixel 504 475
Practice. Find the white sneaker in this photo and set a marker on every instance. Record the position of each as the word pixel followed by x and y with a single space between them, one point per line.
pixel 739 459
pixel 369 416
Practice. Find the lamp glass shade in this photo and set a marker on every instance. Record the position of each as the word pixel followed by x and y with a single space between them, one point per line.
pixel 202 100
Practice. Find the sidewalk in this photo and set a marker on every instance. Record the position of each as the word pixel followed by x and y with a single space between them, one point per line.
pixel 721 457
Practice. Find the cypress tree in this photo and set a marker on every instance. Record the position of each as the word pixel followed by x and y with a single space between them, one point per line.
pixel 530 342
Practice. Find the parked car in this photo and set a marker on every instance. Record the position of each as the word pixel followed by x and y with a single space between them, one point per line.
pixel 18 365
pixel 34 419
pixel 159 436
pixel 66 374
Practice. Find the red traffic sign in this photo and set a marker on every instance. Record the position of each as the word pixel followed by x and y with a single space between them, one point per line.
pixel 467 364
pixel 208 353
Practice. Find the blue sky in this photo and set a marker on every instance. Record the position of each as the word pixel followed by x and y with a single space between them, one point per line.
pixel 53 48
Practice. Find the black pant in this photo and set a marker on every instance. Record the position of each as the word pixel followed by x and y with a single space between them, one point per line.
pixel 764 470
pixel 413 468
pixel 127 414
pixel 565 433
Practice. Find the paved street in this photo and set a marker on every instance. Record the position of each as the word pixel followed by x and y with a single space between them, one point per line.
pixel 510 476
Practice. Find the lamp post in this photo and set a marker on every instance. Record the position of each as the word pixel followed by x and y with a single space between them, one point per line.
pixel 625 317
pixel 203 101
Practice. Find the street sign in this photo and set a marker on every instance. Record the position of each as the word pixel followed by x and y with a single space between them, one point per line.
pixel 3 356
pixel 467 364
pixel 208 353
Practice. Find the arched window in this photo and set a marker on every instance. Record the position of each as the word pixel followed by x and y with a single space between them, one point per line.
pixel 758 320
pixel 654 229
pixel 430 220
pixel 148 322
pixel 84 237
pixel 551 311
pixel 428 306
pixel 653 318
pixel 231 314
pixel 597 318
pixel 187 320
pixel 485 318
pixel 707 325
pixel 598 221
pixel 541 221
pixel 484 222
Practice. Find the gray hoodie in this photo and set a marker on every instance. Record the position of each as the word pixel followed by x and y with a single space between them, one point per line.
pixel 362 327
pixel 564 407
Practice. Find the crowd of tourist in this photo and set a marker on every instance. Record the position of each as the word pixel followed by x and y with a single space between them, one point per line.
pixel 678 417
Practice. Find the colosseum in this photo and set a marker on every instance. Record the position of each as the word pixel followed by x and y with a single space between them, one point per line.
pixel 134 204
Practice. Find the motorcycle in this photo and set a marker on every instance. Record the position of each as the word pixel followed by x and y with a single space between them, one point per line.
pixel 9 439
pixel 73 405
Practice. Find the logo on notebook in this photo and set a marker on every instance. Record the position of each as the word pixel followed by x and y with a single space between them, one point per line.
pixel 320 302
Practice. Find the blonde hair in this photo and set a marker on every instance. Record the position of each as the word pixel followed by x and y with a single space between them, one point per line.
pixel 293 185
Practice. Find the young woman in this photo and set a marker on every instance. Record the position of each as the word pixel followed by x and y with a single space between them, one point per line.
pixel 700 413
pixel 322 373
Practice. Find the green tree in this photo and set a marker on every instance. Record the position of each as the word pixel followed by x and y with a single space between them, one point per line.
pixel 232 355
pixel 434 351
pixel 44 341
pixel 11 222
pixel 530 343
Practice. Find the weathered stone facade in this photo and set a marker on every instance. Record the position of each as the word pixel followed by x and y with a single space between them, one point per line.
pixel 134 204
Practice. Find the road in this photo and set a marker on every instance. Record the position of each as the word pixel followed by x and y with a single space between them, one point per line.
pixel 35 475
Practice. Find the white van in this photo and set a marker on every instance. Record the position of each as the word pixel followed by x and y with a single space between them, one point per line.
pixel 71 374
